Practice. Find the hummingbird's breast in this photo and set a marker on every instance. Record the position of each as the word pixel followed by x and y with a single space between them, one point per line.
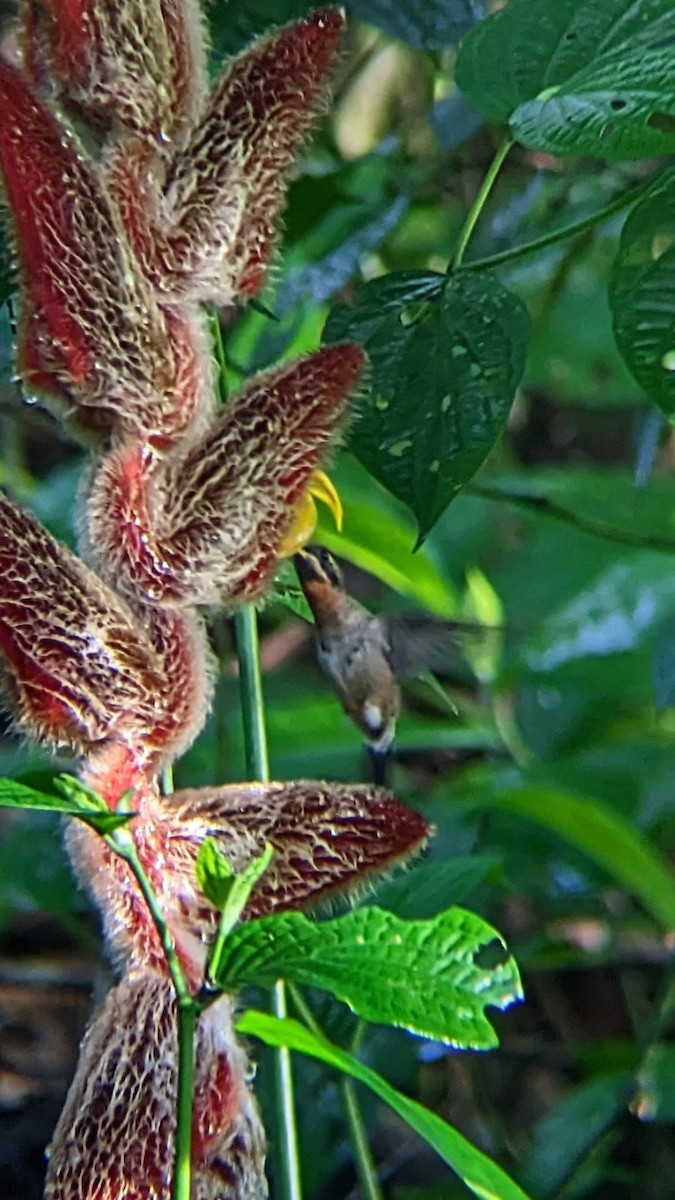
pixel 354 656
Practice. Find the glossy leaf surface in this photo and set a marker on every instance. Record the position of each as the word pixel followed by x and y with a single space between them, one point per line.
pixel 445 360
pixel 422 975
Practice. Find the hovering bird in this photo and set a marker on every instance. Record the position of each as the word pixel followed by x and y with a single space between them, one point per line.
pixel 365 656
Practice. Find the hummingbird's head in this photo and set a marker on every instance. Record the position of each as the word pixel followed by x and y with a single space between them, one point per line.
pixel 315 564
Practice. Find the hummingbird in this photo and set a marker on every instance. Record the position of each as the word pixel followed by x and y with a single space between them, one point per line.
pixel 365 656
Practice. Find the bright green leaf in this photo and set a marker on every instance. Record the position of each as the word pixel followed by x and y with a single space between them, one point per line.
pixel 422 975
pixel 79 803
pixel 445 359
pixel 482 1176
pixel 214 873
pixel 379 535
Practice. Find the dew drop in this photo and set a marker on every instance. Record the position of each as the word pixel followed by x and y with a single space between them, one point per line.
pixel 435 466
pixel 381 404
pixel 668 360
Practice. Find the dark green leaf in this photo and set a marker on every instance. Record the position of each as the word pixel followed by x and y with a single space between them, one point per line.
pixel 18 795
pixel 453 121
pixel 34 871
pixel 434 24
pixel 583 77
pixel 642 292
pixel 316 282
pixel 567 1133
pixel 482 1176
pixel 446 357
pixel 427 890
pixel 235 24
pixel 422 975
pixel 607 838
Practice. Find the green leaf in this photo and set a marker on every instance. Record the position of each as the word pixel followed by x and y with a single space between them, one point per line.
pixel 612 614
pixel 234 24
pixel 482 1176
pixel 78 802
pixel 583 77
pixel 287 591
pixel 434 24
pixel 569 1131
pixel 608 839
pixel 445 359
pixel 379 535
pixel 214 873
pixel 427 890
pixel 654 1099
pixel 422 975
pixel 642 292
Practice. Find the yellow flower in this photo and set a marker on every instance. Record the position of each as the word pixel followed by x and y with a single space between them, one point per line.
pixel 305 518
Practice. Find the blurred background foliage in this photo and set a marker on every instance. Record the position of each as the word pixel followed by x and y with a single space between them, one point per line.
pixel 564 540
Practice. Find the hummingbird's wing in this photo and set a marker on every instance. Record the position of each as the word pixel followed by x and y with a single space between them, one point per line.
pixel 418 642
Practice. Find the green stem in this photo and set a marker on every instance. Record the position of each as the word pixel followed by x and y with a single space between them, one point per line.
pixel 123 844
pixel 257 767
pixel 365 1164
pixel 480 200
pixel 188 1015
pixel 251 693
pixel 549 508
pixel 560 235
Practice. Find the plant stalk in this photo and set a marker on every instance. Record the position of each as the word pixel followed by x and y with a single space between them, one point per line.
pixel 257 768
pixel 480 201
pixel 513 253
pixel 188 1016
pixel 365 1165
pixel 123 844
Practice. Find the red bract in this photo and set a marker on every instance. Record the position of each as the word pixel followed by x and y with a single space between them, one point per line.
pixel 117 63
pixel 185 505
pixel 114 1140
pixel 226 188
pixel 78 662
pixel 206 527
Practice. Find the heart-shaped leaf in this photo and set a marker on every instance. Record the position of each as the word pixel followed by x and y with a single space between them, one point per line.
pixel 446 355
